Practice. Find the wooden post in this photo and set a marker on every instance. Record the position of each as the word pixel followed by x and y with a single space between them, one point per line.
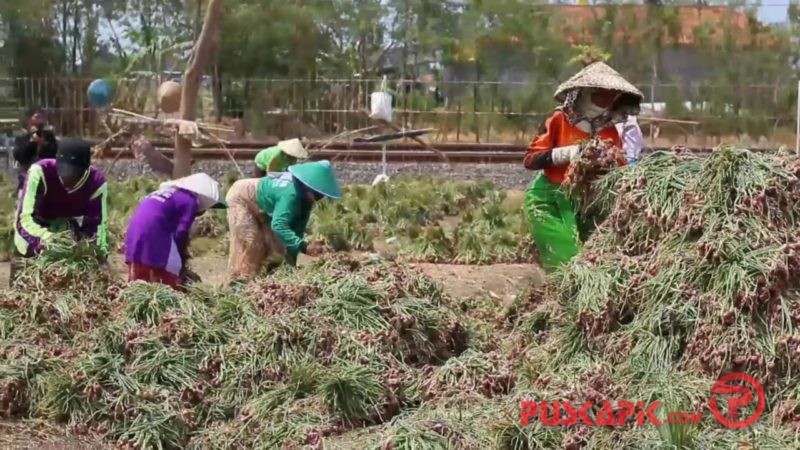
pixel 797 131
pixel 204 48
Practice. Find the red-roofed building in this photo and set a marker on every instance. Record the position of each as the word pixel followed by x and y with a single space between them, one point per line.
pixel 686 25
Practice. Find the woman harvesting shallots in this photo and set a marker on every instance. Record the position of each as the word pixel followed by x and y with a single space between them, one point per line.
pixel 157 240
pixel 269 215
pixel 592 101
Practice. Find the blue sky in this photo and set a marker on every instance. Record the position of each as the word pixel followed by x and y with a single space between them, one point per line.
pixel 773 12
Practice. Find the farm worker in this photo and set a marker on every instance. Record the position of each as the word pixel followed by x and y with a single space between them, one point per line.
pixel 591 102
pixel 632 139
pixel 157 239
pixel 36 117
pixel 37 142
pixel 57 192
pixel 270 214
pixel 31 147
pixel 279 157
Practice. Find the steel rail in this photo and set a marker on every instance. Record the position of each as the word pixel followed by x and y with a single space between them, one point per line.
pixel 348 145
pixel 341 155
pixel 366 152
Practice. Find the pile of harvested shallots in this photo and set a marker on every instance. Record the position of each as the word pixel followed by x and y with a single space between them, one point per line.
pixel 692 274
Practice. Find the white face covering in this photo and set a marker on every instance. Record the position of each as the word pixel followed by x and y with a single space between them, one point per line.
pixel 584 126
pixel 588 109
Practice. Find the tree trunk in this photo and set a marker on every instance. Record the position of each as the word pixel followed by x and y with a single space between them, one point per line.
pixel 65 29
pixel 76 37
pixel 203 49
pixel 217 91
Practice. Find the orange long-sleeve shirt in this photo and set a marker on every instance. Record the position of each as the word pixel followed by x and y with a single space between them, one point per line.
pixel 559 133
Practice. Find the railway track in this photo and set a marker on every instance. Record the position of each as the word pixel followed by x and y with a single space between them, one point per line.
pixel 363 152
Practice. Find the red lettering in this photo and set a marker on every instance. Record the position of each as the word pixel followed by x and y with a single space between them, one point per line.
pixel 605 417
pixel 684 417
pixel 582 413
pixel 528 410
pixel 640 413
pixel 572 415
pixel 626 410
pixel 650 413
pixel 550 417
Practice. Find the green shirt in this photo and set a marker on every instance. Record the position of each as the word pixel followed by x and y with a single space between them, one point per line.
pixel 273 160
pixel 288 214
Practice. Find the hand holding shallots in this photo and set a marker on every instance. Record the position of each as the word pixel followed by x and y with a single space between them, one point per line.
pixel 314 248
pixel 597 158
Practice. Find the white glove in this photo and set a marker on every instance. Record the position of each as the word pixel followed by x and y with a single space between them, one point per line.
pixel 564 155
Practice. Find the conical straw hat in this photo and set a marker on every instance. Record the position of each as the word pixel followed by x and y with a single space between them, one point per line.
pixel 206 188
pixel 293 147
pixel 600 76
pixel 319 177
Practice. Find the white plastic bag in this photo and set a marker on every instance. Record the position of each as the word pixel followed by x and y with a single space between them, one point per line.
pixel 381 107
pixel 381 104
pixel 381 178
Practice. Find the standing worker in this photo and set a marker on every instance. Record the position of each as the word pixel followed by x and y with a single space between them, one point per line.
pixel 55 193
pixel 270 215
pixel 36 117
pixel 591 102
pixel 157 239
pixel 37 142
pixel 279 157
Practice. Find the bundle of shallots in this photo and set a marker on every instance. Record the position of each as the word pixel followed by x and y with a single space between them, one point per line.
pixel 597 158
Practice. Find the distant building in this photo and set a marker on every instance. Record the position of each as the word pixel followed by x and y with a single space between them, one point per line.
pixel 681 59
pixel 688 28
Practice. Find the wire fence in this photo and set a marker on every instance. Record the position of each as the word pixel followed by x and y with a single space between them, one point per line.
pixel 460 111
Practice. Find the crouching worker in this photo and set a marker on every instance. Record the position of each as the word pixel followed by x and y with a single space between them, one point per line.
pixel 280 157
pixel 592 102
pixel 58 193
pixel 270 214
pixel 157 239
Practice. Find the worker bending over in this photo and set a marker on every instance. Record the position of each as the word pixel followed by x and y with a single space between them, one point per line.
pixel 592 102
pixel 157 239
pixel 270 215
pixel 55 194
pixel 279 157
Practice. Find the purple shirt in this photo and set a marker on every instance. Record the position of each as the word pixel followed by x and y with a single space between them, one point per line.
pixel 158 231
pixel 43 201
